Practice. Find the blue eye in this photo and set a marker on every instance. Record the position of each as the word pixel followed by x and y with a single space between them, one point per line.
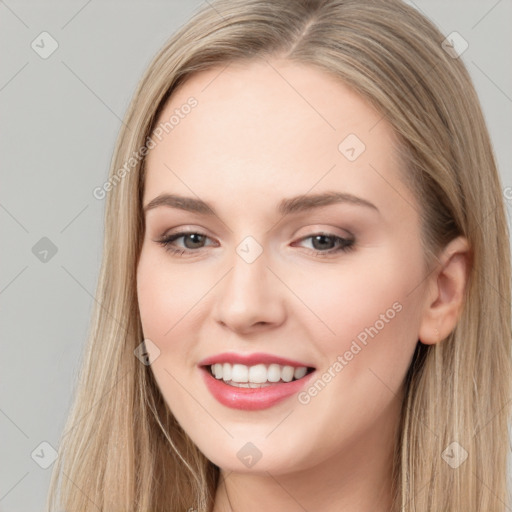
pixel 323 244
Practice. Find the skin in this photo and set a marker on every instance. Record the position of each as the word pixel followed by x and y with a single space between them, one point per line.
pixel 262 132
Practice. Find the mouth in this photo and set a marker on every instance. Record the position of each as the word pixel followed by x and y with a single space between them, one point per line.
pixel 257 387
pixel 256 376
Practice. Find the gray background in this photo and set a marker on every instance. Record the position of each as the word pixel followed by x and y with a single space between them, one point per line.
pixel 60 117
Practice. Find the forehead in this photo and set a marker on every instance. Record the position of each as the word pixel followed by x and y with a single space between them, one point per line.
pixel 271 127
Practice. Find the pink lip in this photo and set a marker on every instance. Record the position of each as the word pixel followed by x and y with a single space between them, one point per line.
pixel 250 360
pixel 252 399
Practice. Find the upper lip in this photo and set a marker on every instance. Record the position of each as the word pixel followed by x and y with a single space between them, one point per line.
pixel 251 359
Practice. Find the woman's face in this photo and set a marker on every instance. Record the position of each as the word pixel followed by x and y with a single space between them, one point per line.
pixel 303 251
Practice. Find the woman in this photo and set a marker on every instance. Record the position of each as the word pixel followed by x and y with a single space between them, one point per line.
pixel 304 300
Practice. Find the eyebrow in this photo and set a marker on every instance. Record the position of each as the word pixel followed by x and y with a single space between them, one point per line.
pixel 286 206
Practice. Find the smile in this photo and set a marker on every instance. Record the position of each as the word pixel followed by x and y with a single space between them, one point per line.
pixel 257 376
pixel 253 382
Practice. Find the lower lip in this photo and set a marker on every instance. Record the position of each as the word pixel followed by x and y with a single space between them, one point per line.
pixel 252 399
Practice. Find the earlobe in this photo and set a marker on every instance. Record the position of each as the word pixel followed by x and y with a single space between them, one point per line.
pixel 444 299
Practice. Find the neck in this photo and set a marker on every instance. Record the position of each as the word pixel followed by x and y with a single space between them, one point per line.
pixel 358 478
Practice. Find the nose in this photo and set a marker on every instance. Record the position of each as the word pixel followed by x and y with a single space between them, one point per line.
pixel 250 297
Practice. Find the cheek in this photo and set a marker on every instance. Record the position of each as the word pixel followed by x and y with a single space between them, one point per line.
pixel 173 300
pixel 374 318
pixel 157 302
pixel 164 297
pixel 167 306
pixel 367 312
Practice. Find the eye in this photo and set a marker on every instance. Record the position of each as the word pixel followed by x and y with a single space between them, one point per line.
pixel 325 244
pixel 191 239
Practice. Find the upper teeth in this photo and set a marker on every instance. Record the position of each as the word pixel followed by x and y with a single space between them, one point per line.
pixel 257 374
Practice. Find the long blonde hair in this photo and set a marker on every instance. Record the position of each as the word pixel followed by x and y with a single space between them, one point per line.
pixel 123 450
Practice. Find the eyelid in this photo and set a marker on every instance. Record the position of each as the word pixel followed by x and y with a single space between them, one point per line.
pixel 312 231
pixel 348 238
pixel 315 229
pixel 342 244
pixel 180 234
pixel 183 231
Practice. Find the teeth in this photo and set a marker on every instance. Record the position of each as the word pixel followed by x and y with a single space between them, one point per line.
pixel 274 373
pixel 287 373
pixel 257 374
pixel 300 372
pixel 240 375
pixel 226 371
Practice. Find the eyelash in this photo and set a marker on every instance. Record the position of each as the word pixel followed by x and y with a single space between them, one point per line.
pixel 344 244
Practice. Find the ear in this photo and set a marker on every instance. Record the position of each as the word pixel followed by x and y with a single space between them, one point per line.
pixel 445 292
